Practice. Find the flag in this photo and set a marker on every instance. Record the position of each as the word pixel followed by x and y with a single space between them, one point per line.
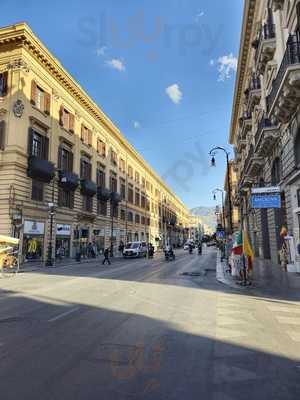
pixel 247 250
pixel 237 247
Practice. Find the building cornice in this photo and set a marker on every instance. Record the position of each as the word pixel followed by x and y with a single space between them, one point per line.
pixel 245 47
pixel 21 36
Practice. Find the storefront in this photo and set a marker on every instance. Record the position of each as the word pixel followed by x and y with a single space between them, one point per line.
pixel 63 241
pixel 33 240
pixel 99 240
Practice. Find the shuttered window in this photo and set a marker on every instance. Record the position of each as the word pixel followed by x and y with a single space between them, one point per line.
pixel 101 148
pixel 66 119
pixel 100 178
pixel 38 145
pixel 102 207
pixel 37 190
pixel 40 98
pixel 2 135
pixel 65 198
pixel 65 159
pixel 113 183
pixel 130 194
pixel 86 135
pixel 87 203
pixel 85 169
pixel 3 83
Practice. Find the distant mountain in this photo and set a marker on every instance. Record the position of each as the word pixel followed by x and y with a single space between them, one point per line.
pixel 207 215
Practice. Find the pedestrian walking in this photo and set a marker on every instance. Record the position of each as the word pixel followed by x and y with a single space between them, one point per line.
pixel 106 257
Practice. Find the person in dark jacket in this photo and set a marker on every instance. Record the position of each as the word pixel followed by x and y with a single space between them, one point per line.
pixel 106 256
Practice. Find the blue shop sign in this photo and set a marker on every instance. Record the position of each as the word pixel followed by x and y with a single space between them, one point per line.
pixel 266 200
pixel 221 234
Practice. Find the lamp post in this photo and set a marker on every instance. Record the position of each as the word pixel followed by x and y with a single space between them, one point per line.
pixel 50 260
pixel 212 153
pixel 223 209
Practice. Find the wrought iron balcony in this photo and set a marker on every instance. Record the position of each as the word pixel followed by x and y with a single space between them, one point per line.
pixel 245 123
pixel 265 137
pixel 253 93
pixel 42 170
pixel 68 180
pixel 103 193
pixel 88 187
pixel 265 46
pixel 285 93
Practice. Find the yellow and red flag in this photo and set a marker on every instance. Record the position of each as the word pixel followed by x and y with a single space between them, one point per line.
pixel 247 250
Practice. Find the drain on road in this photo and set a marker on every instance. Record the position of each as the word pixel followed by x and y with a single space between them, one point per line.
pixel 191 274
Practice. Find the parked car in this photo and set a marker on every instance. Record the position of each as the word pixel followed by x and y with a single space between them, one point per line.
pixel 135 249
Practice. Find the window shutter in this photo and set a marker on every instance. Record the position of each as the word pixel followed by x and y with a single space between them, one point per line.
pixel 61 115
pixel 59 157
pixel 71 122
pixel 81 169
pixel 47 99
pixel 33 92
pixel 70 161
pixel 30 140
pixel 3 86
pixel 89 170
pixel 46 147
pixel 2 135
pixel 90 137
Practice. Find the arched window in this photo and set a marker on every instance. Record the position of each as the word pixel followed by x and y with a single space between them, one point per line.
pixel 297 148
pixel 276 171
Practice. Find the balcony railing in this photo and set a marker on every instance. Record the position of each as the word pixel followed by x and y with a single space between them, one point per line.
pixel 267 32
pixel 291 57
pixel 263 123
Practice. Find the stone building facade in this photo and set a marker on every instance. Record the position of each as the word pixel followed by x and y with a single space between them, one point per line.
pixel 233 209
pixel 265 127
pixel 62 159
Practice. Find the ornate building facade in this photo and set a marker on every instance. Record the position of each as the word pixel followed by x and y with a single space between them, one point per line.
pixel 265 127
pixel 66 171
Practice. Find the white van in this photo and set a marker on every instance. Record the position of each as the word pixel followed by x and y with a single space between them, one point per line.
pixel 135 249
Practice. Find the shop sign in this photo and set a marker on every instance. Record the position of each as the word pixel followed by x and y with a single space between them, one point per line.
pixel 221 234
pixel 266 201
pixel 265 190
pixel 34 227
pixel 63 230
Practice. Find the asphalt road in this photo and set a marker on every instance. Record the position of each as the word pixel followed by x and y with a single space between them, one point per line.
pixel 141 330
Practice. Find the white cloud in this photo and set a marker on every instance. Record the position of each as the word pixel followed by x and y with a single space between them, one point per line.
pixel 136 124
pixel 212 62
pixel 226 66
pixel 199 15
pixel 174 93
pixel 101 51
pixel 116 64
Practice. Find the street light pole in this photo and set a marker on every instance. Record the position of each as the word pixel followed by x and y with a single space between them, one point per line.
pixel 212 153
pixel 49 262
pixel 223 208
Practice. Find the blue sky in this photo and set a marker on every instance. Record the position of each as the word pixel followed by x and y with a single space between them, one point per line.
pixel 163 71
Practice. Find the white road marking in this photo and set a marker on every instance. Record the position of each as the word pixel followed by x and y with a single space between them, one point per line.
pixel 63 314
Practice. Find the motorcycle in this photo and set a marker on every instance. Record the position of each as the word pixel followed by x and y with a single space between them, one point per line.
pixel 169 256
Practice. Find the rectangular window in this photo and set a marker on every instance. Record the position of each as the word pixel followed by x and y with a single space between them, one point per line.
pixel 143 182
pixel 102 208
pixel 137 219
pixel 123 215
pixel 130 194
pixel 130 216
pixel 65 198
pixel 87 203
pixel 143 201
pixel 100 178
pixel 38 145
pixel 298 197
pixel 66 119
pixel 2 135
pixel 39 98
pixel 65 159
pixel 113 183
pixel 115 211
pixel 101 148
pixel 37 190
pixel 113 157
pixel 122 189
pixel 122 165
pixel 143 220
pixel 137 177
pixel 86 135
pixel 130 172
pixel 137 198
pixel 85 170
pixel 3 83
